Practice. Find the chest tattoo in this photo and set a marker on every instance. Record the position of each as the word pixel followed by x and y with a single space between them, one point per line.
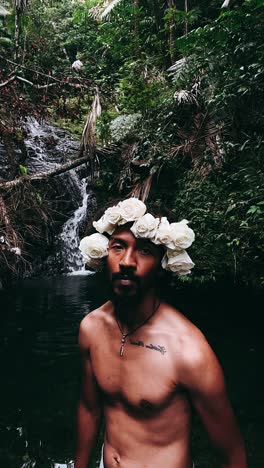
pixel 159 348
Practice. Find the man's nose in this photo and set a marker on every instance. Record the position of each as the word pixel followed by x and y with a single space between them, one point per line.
pixel 128 259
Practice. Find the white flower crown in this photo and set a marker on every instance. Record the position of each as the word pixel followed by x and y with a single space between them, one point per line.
pixel 176 237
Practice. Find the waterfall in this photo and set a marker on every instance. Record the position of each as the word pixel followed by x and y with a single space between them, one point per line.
pixel 70 234
pixel 47 148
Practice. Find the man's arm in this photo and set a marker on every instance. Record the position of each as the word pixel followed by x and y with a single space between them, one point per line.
pixel 205 381
pixel 89 410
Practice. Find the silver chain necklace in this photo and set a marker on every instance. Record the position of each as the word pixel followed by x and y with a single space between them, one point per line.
pixel 125 335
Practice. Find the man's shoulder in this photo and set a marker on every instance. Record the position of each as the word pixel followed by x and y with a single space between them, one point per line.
pixel 194 355
pixel 188 340
pixel 92 322
pixel 178 322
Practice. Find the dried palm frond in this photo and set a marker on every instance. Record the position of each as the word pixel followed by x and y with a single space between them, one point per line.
pixel 88 141
pixel 128 153
pixel 204 140
pixel 88 134
pixel 142 188
pixel 185 97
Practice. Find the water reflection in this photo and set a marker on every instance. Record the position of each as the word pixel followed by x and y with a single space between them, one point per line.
pixel 39 361
pixel 40 367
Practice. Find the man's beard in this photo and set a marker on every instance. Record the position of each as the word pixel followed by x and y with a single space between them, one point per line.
pixel 126 296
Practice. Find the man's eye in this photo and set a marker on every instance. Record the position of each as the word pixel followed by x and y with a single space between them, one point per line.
pixel 145 251
pixel 116 247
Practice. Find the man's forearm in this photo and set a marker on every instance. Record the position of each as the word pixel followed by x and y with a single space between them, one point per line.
pixel 88 423
pixel 237 459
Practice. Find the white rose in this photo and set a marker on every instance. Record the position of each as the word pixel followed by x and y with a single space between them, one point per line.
pixel 130 210
pixel 107 223
pixel 182 235
pixel 103 225
pixel 177 262
pixel 112 214
pixel 145 226
pixel 163 234
pixel 93 249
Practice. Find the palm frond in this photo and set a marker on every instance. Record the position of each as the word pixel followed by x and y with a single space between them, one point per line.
pixel 109 8
pixel 184 96
pixel 226 4
pixel 142 189
pixel 203 145
pixel 88 135
pixel 178 69
pixel 128 153
pixel 3 11
pixel 100 12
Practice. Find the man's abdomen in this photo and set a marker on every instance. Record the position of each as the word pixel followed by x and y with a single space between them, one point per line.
pixel 145 437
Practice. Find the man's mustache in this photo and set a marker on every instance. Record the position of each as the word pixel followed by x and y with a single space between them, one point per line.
pixel 125 276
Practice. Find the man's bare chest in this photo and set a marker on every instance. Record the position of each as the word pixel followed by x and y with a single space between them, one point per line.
pixel 145 376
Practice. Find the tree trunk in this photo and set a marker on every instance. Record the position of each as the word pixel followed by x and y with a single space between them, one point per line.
pixel 171 4
pixel 17 34
pixel 24 50
pixel 186 19
pixel 136 26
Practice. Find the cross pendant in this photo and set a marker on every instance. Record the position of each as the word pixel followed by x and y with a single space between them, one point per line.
pixel 122 345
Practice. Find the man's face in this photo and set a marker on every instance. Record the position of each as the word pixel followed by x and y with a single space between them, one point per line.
pixel 132 265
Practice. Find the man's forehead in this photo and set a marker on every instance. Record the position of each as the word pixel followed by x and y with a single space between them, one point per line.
pixel 122 232
pixel 125 234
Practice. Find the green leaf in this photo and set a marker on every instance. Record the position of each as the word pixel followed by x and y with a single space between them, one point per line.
pixel 23 170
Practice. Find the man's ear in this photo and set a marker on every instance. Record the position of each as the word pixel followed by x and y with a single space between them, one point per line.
pixel 161 273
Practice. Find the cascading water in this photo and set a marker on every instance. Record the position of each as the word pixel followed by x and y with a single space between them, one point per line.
pixel 47 148
pixel 70 234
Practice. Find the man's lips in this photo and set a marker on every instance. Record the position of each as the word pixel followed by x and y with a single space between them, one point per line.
pixel 124 280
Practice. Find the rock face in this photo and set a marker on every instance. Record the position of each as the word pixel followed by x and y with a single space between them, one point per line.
pixel 66 199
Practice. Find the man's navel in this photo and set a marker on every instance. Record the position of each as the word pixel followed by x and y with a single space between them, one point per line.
pixel 146 405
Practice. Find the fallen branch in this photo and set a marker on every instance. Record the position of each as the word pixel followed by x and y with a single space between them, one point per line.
pixel 50 77
pixel 44 174
pixel 7 82
pixel 19 78
pixel 53 172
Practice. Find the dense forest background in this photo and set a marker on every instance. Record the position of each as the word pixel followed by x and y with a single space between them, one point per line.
pixel 166 99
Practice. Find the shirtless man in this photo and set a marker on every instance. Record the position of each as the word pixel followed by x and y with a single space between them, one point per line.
pixel 146 367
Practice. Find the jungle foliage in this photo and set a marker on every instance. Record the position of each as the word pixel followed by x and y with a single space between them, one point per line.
pixel 181 89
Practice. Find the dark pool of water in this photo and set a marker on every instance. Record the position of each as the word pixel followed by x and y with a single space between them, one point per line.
pixel 40 371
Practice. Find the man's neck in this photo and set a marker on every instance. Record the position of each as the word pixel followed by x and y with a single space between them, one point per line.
pixel 131 316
